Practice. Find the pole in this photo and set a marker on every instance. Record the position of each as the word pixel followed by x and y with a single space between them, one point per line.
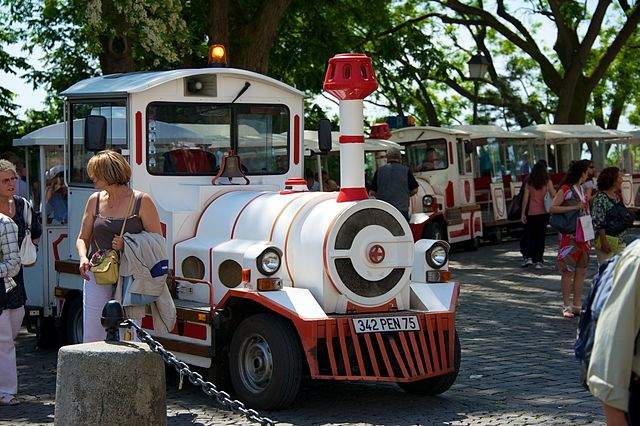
pixel 475 101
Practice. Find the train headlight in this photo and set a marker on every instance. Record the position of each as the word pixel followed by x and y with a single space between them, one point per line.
pixel 437 255
pixel 427 201
pixel 193 267
pixel 269 261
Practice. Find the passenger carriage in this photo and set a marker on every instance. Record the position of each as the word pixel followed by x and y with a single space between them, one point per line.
pixel 445 206
pixel 271 282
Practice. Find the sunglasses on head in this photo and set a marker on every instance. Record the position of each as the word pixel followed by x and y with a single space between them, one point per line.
pixel 9 180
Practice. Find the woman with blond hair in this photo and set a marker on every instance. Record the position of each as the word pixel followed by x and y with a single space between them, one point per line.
pixel 13 297
pixel 104 215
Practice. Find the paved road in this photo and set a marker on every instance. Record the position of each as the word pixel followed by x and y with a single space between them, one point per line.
pixel 517 364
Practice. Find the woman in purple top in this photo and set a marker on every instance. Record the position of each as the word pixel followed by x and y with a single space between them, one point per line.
pixel 534 214
pixel 103 217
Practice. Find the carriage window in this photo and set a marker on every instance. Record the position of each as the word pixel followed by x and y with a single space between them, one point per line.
pixel 464 157
pixel 191 139
pixel 263 139
pixel 116 114
pixel 427 156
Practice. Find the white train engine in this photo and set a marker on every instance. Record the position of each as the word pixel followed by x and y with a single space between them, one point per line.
pixel 272 282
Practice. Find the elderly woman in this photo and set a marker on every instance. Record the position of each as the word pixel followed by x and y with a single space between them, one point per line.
pixel 573 256
pixel 12 292
pixel 602 204
pixel 102 222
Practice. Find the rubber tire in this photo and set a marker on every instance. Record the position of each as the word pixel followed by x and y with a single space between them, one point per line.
pixel 436 385
pixel 432 229
pixel 287 361
pixel 74 314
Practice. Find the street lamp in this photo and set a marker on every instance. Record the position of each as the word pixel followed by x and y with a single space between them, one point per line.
pixel 478 67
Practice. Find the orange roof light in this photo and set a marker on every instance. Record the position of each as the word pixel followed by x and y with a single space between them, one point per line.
pixel 217 55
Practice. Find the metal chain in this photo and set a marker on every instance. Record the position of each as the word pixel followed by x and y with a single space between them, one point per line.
pixel 209 388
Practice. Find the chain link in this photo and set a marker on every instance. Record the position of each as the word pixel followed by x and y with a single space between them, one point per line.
pixel 196 378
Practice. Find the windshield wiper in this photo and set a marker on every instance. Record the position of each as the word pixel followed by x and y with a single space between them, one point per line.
pixel 241 92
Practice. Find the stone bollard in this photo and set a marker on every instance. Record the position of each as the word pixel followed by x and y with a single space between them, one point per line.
pixel 110 383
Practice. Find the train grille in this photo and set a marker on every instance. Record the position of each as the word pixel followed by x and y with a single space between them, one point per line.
pixel 342 354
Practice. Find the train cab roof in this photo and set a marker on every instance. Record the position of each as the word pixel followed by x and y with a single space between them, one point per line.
pixel 136 82
pixel 421 133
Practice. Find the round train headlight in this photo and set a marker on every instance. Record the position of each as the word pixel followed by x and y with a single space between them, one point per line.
pixel 427 200
pixel 437 255
pixel 193 267
pixel 269 261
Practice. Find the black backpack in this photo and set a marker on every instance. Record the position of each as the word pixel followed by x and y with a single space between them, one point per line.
pixel 591 309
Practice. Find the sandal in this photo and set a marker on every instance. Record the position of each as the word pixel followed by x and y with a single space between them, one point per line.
pixel 9 400
pixel 567 312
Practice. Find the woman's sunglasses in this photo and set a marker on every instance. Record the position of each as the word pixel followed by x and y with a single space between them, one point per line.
pixel 7 181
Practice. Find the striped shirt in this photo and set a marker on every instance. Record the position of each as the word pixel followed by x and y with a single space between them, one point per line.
pixel 9 251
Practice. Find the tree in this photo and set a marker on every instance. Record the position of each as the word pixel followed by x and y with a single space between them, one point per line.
pixel 573 72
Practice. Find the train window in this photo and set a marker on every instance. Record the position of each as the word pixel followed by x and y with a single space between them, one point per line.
pixel 191 138
pixel 116 114
pixel 424 156
pixel 187 139
pixel 263 139
pixel 465 159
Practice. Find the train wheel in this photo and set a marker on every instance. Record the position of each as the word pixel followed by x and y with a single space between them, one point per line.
pixel 73 326
pixel 266 362
pixel 434 231
pixel 439 384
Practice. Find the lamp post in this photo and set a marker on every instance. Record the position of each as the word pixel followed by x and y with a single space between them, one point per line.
pixel 478 67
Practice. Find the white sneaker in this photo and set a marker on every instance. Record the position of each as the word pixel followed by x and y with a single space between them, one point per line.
pixel 527 262
pixel 538 265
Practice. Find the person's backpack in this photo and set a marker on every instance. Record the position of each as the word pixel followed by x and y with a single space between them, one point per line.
pixel 591 309
pixel 617 220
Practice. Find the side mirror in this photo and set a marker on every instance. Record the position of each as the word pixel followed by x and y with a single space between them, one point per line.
pixel 324 136
pixel 95 133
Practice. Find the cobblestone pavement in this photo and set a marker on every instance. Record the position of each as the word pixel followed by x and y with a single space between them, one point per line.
pixel 517 364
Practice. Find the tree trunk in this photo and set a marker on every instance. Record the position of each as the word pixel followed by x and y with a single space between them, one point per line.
pixel 218 31
pixel 116 55
pixel 248 46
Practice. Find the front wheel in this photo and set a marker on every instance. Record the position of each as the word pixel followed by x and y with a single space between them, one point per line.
pixel 266 362
pixel 73 324
pixel 439 384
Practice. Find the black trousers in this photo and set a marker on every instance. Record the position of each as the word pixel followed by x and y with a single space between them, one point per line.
pixel 534 237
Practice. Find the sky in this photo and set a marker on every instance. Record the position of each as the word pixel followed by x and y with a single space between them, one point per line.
pixel 30 98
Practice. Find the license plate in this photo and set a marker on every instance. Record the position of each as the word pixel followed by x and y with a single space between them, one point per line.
pixel 378 324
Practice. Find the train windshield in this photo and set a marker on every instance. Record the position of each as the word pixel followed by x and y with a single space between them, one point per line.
pixel 191 139
pixel 425 156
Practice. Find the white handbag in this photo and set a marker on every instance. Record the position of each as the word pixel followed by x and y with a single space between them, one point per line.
pixel 28 250
pixel 548 201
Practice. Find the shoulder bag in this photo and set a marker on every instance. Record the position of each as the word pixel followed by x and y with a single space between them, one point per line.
pixel 105 264
pixel 565 223
pixel 28 250
pixel 617 219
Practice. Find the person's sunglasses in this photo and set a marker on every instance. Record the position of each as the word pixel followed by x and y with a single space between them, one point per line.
pixel 9 180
